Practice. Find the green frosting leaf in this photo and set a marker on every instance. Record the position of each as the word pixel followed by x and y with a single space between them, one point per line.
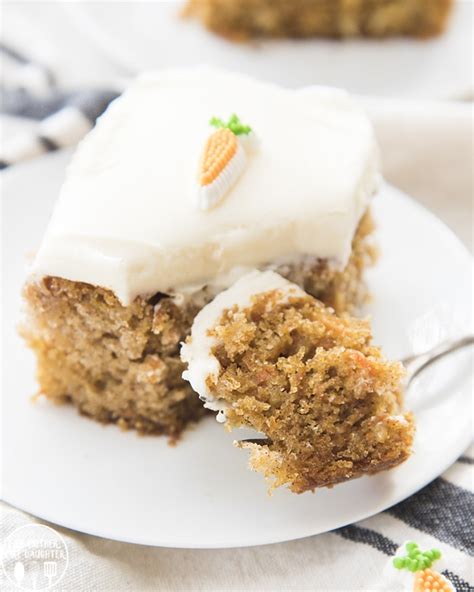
pixel 416 559
pixel 234 124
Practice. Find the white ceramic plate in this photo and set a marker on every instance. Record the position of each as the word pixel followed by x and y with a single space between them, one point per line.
pixel 144 35
pixel 74 472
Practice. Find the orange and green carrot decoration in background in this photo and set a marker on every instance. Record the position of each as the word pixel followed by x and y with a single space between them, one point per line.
pixel 420 563
pixel 222 162
pixel 233 124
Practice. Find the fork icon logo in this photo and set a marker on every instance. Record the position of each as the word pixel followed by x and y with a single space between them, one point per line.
pixel 34 557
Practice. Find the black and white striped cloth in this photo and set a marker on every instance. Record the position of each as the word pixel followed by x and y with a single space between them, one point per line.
pixel 29 90
pixel 440 515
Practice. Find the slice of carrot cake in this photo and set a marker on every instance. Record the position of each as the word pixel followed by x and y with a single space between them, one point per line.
pixel 190 179
pixel 241 19
pixel 268 356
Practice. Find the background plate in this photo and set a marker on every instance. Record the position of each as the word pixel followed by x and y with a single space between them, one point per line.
pixel 145 35
pixel 73 472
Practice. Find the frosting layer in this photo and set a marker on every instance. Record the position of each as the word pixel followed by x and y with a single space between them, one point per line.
pixel 126 218
pixel 197 353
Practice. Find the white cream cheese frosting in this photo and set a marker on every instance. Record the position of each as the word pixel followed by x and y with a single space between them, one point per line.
pixel 202 365
pixel 126 220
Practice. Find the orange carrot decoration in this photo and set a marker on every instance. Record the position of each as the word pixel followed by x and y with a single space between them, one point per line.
pixel 420 563
pixel 429 580
pixel 219 151
pixel 222 162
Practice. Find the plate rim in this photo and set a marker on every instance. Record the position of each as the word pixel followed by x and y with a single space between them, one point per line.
pixel 222 545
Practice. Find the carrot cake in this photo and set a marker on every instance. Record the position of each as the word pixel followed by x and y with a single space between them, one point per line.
pixel 189 180
pixel 241 19
pixel 268 356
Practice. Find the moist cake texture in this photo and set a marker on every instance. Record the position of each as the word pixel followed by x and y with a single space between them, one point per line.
pixel 329 405
pixel 189 180
pixel 122 364
pixel 241 19
pixel 115 363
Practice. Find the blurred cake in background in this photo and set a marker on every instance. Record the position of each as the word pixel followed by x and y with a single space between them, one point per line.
pixel 190 179
pixel 241 19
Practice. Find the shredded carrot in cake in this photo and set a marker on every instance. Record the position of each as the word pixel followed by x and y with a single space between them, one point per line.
pixel 219 151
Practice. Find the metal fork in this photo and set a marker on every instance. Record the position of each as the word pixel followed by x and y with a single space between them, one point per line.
pixel 415 363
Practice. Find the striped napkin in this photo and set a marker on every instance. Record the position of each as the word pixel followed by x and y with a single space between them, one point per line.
pixel 29 90
pixel 353 558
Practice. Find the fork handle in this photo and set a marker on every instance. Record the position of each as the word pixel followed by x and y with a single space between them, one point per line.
pixel 416 363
